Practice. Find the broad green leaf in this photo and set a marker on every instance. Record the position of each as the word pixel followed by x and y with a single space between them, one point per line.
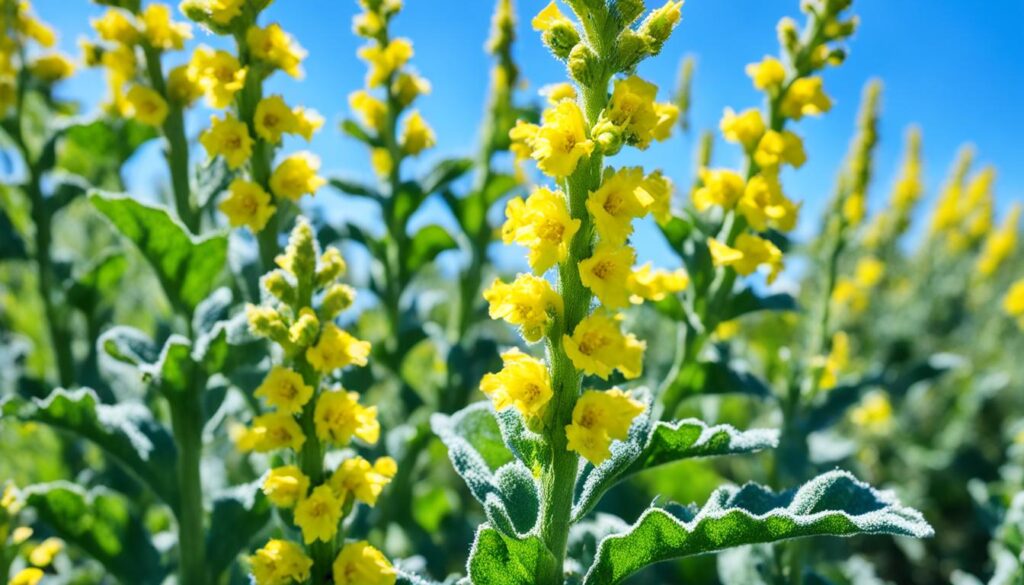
pixel 127 432
pixel 103 524
pixel 498 186
pixel 353 129
pixel 647 447
pixel 748 301
pixel 129 345
pixel 66 188
pixel 239 515
pixel 525 444
pixel 496 559
pixel 426 245
pixel 97 147
pixel 476 426
pixel 12 246
pixel 444 173
pixel 403 203
pixel 514 506
pixel 355 187
pixel 188 268
pixel 676 230
pixel 97 281
pixel 833 504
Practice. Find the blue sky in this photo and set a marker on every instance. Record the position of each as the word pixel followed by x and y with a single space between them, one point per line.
pixel 955 68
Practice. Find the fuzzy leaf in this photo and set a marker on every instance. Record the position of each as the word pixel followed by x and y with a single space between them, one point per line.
pixel 126 431
pixel 188 268
pixel 646 448
pixel 499 560
pixel 102 524
pixel 129 345
pixel 525 444
pixel 834 504
pixel 239 514
pixel 97 281
pixel 476 426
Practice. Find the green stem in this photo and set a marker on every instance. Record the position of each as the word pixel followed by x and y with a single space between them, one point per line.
pixel 187 422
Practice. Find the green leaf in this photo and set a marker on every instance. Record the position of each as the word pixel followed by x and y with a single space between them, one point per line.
pixel 238 516
pixel 97 147
pixel 129 345
pixel 98 281
pixel 66 189
pixel 525 444
pixel 188 268
pixel 497 187
pixel 496 559
pixel 353 129
pixel 103 524
pixel 833 504
pixel 647 447
pixel 748 301
pixel 355 187
pixel 127 432
pixel 12 246
pixel 444 173
pixel 475 426
pixel 676 230
pixel 426 245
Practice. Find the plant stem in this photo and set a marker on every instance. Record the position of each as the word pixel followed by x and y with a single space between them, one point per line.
pixel 187 421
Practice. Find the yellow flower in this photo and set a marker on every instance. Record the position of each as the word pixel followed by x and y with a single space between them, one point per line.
pixel 318 515
pixel 744 128
pixel 659 189
pixel 529 302
pixel 776 148
pixel 597 419
pixel 1013 302
pixel 765 205
pixel 370 110
pixel 297 176
pixel 160 31
pixel 542 223
pixel 632 108
pixel 280 562
pixel 307 122
pixel 285 390
pixel 29 576
pixel 115 26
pixel 285 486
pixel 873 414
pixel 337 349
pixel 668 115
pixel 120 62
pixel 621 197
pixel 181 89
pixel 869 272
pixel 358 563
pixel 51 68
pixel 367 24
pixel 42 555
pixel 229 138
pixel 805 97
pixel 21 534
pixel 218 73
pixel 654 285
pixel 221 12
pixel 274 118
pixel 559 143
pixel 720 187
pixel 523 382
pixel 749 252
pixel 727 329
pixel 768 74
pixel 146 105
pixel 383 61
pixel 407 87
pixel 1000 244
pixel 557 92
pixel 837 361
pixel 848 295
pixel 9 501
pixel 339 417
pixel 549 17
pixel 381 161
pixel 275 430
pixel 247 204
pixel 305 328
pixel 417 135
pixel 364 482
pixel 607 272
pixel 274 46
pixel 38 31
pixel 598 346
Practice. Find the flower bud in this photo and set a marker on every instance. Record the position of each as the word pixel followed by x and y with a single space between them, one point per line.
pixel 337 298
pixel 266 322
pixel 630 49
pixel 658 25
pixel 561 38
pixel 332 267
pixel 305 329
pixel 789 35
pixel 608 136
pixel 584 65
pixel 299 257
pixel 278 285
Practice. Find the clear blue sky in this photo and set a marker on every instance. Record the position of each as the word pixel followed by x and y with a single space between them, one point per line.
pixel 956 68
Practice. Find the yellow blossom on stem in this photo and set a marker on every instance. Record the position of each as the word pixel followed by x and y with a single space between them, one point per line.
pixel 280 562
pixel 749 252
pixel 658 189
pixel 598 346
pixel 273 431
pixel 648 284
pixel 543 225
pixel 28 576
pixel 407 87
pixel 318 515
pixel 869 272
pixel 115 26
pixel 339 417
pixel 181 89
pixel 355 477
pixel 597 419
pixel 837 361
pixel 720 187
pixel 768 74
pixel 51 68
pixel 383 61
pixel 417 135
pixel 372 111
pixel 296 176
pixel 247 204
pixel 777 148
pixel 229 138
pixel 44 553
pixel 523 382
pixel 337 349
pixel 607 272
pixel 160 31
pixel 218 73
pixel 805 97
pixel 764 204
pixel 358 563
pixel 381 161
pixel 307 122
pixel 146 105
pixel 560 142
pixel 285 390
pixel 274 118
pixel 285 486
pixel 549 17
pixel 274 46
pixel 529 302
pixel 1000 244
pixel 632 108
pixel 557 92
pixel 1013 302
pixel 745 128
pixel 873 414
pixel 620 199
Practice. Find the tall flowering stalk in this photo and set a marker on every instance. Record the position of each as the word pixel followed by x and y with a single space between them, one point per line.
pixel 309 417
pixel 249 134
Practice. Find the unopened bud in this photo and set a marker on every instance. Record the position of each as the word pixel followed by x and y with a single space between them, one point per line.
pixel 658 25
pixel 266 322
pixel 584 65
pixel 278 285
pixel 789 35
pixel 332 267
pixel 630 49
pixel 299 257
pixel 608 136
pixel 337 298
pixel 561 38
pixel 305 329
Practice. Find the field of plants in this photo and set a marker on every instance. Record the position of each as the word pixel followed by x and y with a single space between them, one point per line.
pixel 233 380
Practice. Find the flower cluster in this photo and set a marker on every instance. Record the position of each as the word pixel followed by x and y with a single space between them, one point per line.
pixel 391 88
pixel 755 203
pixel 966 207
pixel 16 540
pixel 308 416
pixel 887 226
pixel 19 27
pixel 587 240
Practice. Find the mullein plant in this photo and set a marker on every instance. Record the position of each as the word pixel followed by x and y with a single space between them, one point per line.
pixel 310 417
pixel 569 436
